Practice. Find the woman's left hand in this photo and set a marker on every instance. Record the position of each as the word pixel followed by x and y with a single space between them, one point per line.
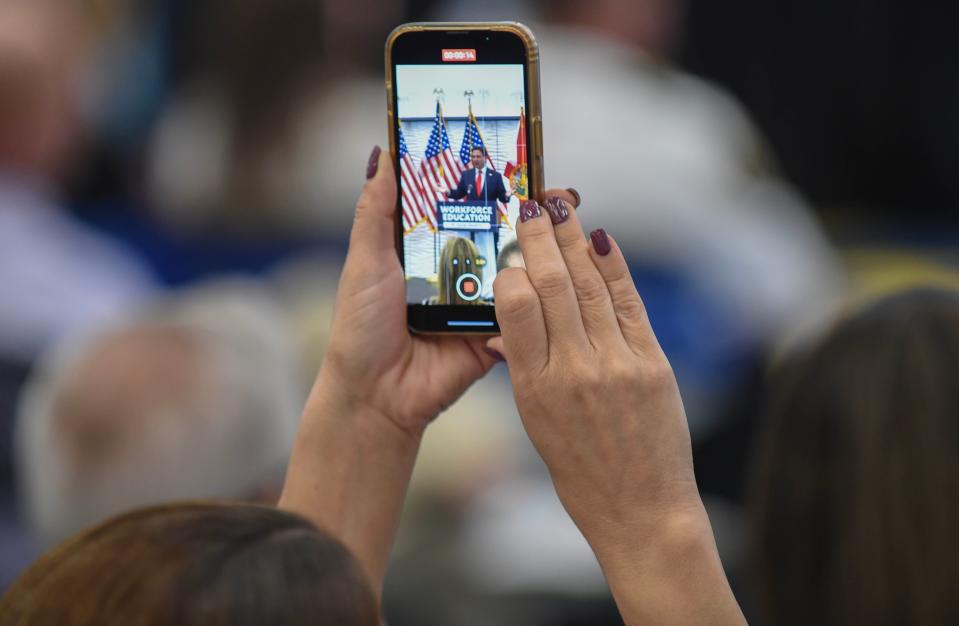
pixel 378 389
pixel 372 360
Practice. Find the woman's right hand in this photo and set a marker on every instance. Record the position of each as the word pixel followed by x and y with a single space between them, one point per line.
pixel 599 401
pixel 595 391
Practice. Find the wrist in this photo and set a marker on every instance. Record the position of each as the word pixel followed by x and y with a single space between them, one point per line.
pixel 622 542
pixel 334 404
pixel 348 473
pixel 369 395
pixel 669 572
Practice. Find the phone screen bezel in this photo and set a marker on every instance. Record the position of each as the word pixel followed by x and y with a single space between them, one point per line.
pixel 424 47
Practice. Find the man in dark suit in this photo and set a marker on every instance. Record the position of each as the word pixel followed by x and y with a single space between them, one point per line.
pixel 480 182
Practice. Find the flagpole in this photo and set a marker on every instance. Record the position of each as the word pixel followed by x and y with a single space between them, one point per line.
pixel 468 94
pixel 440 94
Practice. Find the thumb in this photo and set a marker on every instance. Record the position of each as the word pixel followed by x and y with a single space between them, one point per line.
pixel 374 224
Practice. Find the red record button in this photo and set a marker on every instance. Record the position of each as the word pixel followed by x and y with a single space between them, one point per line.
pixel 468 287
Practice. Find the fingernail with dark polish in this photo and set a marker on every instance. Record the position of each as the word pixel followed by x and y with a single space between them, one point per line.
pixel 528 210
pixel 374 163
pixel 600 242
pixel 558 213
pixel 494 354
pixel 575 195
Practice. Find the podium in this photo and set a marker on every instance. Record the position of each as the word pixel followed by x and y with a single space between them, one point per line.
pixel 469 215
pixel 475 220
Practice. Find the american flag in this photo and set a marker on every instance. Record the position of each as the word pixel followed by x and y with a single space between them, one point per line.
pixel 440 169
pixel 415 199
pixel 472 138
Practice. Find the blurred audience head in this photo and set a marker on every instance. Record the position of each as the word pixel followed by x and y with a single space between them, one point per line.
pixel 195 563
pixel 857 482
pixel 652 25
pixel 266 56
pixel 223 155
pixel 356 31
pixel 197 397
pixel 42 53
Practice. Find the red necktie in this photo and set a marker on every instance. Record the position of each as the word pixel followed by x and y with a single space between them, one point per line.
pixel 479 182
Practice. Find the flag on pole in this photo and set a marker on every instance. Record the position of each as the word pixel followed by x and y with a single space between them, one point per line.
pixel 440 169
pixel 472 138
pixel 416 202
pixel 517 172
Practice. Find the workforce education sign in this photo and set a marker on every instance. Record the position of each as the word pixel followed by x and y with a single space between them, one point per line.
pixel 474 215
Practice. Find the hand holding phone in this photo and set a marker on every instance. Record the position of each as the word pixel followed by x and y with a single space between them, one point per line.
pixel 378 389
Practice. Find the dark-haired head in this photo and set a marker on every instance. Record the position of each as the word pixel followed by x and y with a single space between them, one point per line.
pixel 856 494
pixel 478 156
pixel 197 563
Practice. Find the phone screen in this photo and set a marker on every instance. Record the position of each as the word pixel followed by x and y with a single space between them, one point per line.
pixel 462 134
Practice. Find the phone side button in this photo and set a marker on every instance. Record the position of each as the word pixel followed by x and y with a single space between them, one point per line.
pixel 538 137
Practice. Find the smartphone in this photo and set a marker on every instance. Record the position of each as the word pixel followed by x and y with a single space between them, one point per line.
pixel 465 130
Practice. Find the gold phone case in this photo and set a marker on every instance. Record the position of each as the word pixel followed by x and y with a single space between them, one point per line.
pixel 533 104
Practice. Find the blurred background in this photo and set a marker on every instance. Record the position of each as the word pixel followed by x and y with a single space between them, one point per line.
pixel 177 182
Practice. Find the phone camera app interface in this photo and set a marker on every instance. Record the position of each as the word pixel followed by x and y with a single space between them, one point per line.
pixel 463 175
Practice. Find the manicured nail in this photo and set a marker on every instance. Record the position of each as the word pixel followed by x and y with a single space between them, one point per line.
pixel 374 163
pixel 496 356
pixel 600 242
pixel 528 210
pixel 557 210
pixel 575 195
